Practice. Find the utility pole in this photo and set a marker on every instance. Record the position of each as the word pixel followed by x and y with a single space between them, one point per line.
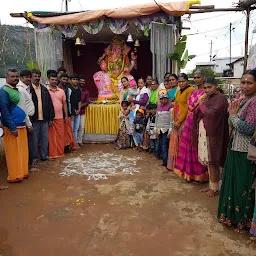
pixel 248 10
pixel 230 45
pixel 211 52
pixel 66 5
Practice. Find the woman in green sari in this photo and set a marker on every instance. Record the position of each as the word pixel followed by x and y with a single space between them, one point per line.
pixel 236 201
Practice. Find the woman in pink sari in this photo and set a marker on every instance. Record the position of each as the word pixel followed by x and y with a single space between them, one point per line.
pixel 187 164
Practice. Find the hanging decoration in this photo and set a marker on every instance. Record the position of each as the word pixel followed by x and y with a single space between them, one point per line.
pixel 40 26
pixel 68 31
pixel 118 26
pixel 93 27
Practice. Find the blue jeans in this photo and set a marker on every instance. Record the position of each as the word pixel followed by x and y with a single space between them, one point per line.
pixel 154 146
pixel 38 137
pixel 75 126
pixel 165 146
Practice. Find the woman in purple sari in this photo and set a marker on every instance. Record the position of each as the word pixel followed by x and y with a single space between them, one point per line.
pixel 187 164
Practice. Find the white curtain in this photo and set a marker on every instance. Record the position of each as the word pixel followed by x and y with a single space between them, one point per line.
pixel 49 52
pixel 161 43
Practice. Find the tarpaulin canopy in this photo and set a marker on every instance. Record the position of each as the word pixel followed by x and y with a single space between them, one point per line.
pixel 173 8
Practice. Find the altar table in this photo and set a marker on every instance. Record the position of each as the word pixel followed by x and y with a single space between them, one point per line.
pixel 102 119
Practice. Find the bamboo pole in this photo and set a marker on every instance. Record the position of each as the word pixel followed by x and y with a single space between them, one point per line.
pixel 237 9
pixel 202 7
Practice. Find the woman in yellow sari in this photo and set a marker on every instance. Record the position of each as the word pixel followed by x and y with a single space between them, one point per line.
pixel 180 111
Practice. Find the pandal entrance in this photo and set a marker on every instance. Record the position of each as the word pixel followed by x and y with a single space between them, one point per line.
pixel 105 45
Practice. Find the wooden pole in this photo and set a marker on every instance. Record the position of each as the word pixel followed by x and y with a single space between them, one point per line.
pixel 246 38
pixel 211 51
pixel 237 9
pixel 202 7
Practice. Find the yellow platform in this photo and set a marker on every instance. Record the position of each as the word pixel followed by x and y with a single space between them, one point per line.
pixel 102 119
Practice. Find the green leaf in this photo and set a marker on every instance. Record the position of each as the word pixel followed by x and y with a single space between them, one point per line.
pixel 146 33
pixel 32 65
pixel 174 56
pixel 190 57
pixel 185 56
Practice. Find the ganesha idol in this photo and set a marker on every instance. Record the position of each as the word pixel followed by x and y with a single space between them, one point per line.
pixel 114 64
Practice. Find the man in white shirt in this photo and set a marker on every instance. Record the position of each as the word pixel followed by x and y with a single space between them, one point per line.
pixel 24 87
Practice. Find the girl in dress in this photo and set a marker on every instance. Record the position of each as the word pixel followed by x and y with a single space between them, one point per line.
pixel 123 139
pixel 139 127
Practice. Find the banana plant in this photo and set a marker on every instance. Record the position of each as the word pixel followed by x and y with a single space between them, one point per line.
pixel 180 54
pixel 32 65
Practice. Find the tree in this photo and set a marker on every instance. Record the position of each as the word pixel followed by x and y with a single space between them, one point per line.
pixel 17 48
pixel 207 71
pixel 180 54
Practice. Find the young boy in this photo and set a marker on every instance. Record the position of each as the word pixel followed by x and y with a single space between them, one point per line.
pixel 163 123
pixel 138 129
pixel 154 142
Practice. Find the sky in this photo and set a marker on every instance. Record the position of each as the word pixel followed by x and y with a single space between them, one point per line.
pixel 204 28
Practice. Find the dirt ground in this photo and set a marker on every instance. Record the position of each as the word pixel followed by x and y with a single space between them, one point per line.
pixel 140 213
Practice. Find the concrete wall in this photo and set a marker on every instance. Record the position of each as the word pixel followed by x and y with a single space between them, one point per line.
pixel 238 68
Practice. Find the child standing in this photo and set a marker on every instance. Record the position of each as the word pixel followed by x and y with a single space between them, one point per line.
pixel 146 139
pixel 123 139
pixel 138 129
pixel 132 92
pixel 163 123
pixel 154 142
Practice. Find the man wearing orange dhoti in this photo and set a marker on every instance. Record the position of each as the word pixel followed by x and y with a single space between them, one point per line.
pixel 70 143
pixel 14 119
pixel 56 130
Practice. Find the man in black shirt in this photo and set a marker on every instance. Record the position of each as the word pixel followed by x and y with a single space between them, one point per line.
pixel 75 103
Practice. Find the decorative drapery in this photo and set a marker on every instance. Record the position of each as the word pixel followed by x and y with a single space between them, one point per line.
pixel 117 26
pixel 102 119
pixel 68 31
pixel 93 27
pixel 161 43
pixel 50 43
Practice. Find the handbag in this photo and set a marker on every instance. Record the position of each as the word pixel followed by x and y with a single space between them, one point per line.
pixel 252 148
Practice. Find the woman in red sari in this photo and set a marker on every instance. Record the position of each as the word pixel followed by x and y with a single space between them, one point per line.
pixel 187 164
